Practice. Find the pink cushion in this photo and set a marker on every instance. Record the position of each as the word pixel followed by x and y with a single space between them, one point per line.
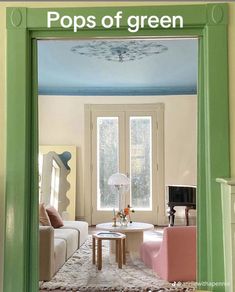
pixel 55 218
pixel 43 216
pixel 175 260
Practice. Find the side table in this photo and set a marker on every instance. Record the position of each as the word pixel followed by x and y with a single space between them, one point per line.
pixel 120 240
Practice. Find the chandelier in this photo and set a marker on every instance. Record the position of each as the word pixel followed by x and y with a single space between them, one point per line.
pixel 119 51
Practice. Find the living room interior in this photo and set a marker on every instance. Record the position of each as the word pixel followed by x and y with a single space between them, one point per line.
pixel 126 107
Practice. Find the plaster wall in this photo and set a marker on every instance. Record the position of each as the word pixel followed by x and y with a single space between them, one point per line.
pixel 61 122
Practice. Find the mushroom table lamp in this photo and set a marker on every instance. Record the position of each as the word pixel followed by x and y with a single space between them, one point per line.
pixel 120 182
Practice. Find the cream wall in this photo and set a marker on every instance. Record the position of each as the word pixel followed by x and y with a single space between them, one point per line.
pixel 231 33
pixel 61 122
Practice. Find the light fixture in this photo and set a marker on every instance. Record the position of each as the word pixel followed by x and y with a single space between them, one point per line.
pixel 119 51
pixel 120 182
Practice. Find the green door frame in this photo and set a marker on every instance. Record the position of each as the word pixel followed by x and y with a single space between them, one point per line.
pixel 208 22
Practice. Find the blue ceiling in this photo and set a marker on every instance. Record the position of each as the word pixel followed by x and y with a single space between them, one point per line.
pixel 63 72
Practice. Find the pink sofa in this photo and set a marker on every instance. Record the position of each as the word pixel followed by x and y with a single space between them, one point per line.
pixel 174 258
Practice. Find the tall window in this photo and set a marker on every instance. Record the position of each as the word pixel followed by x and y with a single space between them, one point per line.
pixel 107 160
pixel 141 162
pixel 125 139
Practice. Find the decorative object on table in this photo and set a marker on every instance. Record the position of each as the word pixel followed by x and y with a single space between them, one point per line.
pixel 114 219
pixel 120 182
pixel 124 215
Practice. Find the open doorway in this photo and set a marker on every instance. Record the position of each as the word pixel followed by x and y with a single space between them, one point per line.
pixel 127 106
pixel 209 23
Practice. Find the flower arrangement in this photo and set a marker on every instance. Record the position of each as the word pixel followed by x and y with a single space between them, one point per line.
pixel 125 215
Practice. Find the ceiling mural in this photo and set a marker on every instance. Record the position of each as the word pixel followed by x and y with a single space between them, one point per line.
pixel 119 51
pixel 117 67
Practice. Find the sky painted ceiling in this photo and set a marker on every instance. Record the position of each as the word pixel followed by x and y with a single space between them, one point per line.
pixel 65 72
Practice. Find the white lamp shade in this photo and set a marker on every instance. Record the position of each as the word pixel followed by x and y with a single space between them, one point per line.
pixel 118 179
pixel 120 182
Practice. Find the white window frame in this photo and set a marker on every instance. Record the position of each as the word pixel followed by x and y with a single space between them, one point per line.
pixel 159 208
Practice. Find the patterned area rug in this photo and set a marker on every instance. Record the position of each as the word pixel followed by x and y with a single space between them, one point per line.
pixel 79 274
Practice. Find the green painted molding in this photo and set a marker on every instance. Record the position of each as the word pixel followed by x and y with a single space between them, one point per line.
pixel 118 33
pixel 202 268
pixel 208 22
pixel 17 239
pixel 217 14
pixel 194 15
pixel 217 138
pixel 16 18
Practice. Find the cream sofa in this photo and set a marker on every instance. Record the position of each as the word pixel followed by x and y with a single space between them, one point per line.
pixel 58 245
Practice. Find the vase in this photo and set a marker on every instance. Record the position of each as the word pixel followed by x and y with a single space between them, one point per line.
pixel 123 221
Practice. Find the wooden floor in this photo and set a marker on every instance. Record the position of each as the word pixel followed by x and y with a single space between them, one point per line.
pixel 148 235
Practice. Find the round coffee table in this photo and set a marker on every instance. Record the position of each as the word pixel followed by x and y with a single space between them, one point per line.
pixel 134 233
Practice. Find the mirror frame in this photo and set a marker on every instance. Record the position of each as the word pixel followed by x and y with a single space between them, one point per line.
pixel 71 177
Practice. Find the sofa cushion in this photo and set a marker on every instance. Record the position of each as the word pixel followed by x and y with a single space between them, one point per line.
pixel 81 227
pixel 43 216
pixel 55 218
pixel 59 253
pixel 70 236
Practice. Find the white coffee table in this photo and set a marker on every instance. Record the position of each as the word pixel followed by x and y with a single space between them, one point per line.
pixel 134 233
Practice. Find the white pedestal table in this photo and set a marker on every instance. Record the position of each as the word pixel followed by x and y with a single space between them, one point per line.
pixel 134 233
